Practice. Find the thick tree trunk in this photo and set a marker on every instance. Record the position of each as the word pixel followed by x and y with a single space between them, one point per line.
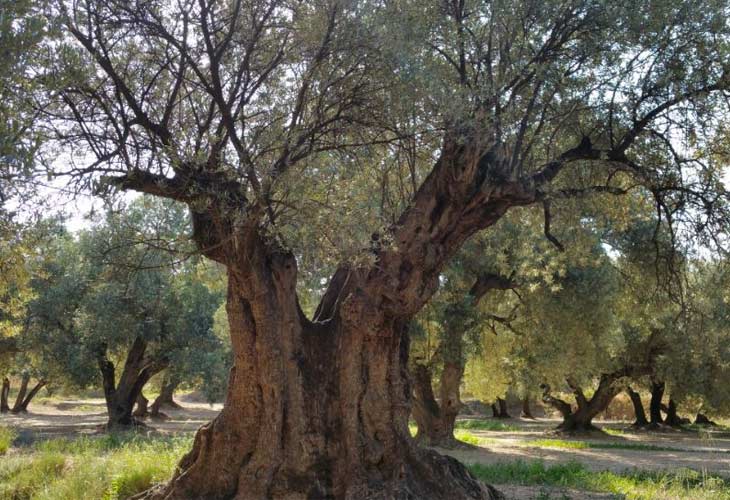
pixel 503 413
pixel 640 415
pixel 319 408
pixel 23 407
pixel 4 395
pixel 327 416
pixel 526 412
pixel 435 422
pixel 495 411
pixel 655 405
pixel 672 417
pixel 167 390
pixel 24 381
pixel 581 419
pixel 121 397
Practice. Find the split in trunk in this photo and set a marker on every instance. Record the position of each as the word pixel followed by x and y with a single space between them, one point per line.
pixel 4 394
pixel 526 412
pixel 21 405
pixel 640 415
pixel 121 397
pixel 655 405
pixel 581 418
pixel 319 408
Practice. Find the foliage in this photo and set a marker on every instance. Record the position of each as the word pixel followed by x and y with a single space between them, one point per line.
pixel 486 425
pixel 7 436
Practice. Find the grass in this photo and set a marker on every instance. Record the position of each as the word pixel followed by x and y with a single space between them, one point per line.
pixel 684 485
pixel 111 467
pixel 486 425
pixel 7 436
pixel 460 434
pixel 582 445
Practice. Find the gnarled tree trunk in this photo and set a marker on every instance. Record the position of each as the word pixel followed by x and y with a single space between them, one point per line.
pixel 655 405
pixel 120 397
pixel 581 418
pixel 167 390
pixel 23 406
pixel 4 394
pixel 639 413
pixel 319 408
pixel 435 421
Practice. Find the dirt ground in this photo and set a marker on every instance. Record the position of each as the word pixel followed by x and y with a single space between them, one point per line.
pixel 709 453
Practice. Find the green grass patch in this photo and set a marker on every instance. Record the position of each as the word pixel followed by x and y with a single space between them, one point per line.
pixel 684 485
pixel 486 425
pixel 582 445
pixel 111 467
pixel 7 436
pixel 466 437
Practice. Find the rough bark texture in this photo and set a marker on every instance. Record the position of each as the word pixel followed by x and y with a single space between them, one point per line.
pixel 655 405
pixel 640 415
pixel 121 397
pixel 319 408
pixel 581 418
pixel 4 394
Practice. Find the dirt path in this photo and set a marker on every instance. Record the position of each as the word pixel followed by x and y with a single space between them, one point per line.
pixel 70 418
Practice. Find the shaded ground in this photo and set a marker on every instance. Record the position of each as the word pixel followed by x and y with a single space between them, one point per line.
pixel 68 418
pixel 708 452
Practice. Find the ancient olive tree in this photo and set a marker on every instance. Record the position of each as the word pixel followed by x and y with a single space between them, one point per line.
pixel 247 110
